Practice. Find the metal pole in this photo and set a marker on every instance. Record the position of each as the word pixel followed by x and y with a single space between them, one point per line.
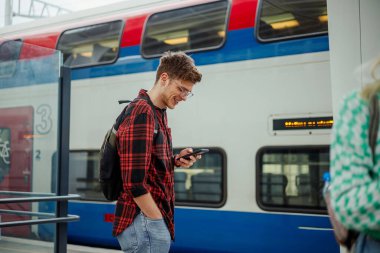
pixel 60 245
pixel 8 13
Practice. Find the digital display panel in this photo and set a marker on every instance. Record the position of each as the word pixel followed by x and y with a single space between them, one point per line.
pixel 303 123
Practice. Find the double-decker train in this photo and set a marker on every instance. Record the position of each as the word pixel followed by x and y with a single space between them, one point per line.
pixel 263 108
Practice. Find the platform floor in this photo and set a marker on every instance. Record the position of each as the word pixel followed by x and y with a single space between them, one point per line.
pixel 16 245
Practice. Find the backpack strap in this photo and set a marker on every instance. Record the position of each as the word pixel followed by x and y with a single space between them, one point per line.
pixel 127 111
pixel 156 125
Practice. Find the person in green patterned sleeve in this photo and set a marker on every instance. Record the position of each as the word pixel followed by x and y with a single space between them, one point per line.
pixel 355 184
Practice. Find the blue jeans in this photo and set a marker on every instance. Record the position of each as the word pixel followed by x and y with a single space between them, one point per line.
pixel 145 235
pixel 365 244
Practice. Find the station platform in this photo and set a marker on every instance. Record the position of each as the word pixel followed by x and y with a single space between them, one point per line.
pixel 17 245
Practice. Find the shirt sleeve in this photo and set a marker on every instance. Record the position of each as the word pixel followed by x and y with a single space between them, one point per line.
pixel 355 196
pixel 135 149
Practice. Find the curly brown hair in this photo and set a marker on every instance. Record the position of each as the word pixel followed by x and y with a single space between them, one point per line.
pixel 178 65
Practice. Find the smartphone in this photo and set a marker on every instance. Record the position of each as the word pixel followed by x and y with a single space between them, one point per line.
pixel 195 153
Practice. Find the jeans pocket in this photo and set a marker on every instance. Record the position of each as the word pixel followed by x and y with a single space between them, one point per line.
pixel 158 231
pixel 150 219
pixel 128 239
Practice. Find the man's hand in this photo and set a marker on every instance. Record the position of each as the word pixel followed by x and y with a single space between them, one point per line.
pixel 184 162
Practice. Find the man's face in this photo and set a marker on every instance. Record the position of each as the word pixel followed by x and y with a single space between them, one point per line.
pixel 176 91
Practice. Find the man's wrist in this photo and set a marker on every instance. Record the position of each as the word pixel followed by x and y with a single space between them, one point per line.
pixel 176 161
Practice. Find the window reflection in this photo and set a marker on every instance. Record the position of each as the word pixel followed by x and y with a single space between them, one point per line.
pixel 9 54
pixel 292 177
pixel 84 46
pixel 280 19
pixel 203 182
pixel 186 29
pixel 84 175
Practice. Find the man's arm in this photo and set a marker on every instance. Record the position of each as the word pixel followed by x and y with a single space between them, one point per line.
pixel 148 206
pixel 135 154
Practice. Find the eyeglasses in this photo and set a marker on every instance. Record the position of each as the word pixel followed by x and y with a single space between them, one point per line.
pixel 184 92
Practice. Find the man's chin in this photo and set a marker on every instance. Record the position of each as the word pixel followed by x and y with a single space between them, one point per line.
pixel 172 105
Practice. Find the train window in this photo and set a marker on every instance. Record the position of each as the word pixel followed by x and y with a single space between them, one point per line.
pixel 9 54
pixel 279 19
pixel 84 175
pixel 204 184
pixel 192 28
pixel 90 45
pixel 290 178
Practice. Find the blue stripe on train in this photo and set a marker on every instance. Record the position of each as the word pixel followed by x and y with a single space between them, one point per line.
pixel 226 231
pixel 216 231
pixel 240 45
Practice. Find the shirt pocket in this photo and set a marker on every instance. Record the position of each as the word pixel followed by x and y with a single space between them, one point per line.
pixel 161 146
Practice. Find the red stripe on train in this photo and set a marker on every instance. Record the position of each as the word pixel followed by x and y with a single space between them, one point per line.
pixel 38 45
pixel 243 14
pixel 133 31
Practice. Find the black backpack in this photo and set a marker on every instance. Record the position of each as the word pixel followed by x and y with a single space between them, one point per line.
pixel 109 173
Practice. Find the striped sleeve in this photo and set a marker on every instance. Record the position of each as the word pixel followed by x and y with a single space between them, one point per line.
pixel 355 195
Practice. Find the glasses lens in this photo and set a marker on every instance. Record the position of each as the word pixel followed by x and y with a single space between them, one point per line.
pixel 185 93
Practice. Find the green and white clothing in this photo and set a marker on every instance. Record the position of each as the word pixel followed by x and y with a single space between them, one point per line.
pixel 355 196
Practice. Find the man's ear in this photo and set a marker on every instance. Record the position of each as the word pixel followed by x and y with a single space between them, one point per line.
pixel 164 78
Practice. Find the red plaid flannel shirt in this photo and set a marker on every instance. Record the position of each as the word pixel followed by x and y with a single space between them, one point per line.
pixel 147 164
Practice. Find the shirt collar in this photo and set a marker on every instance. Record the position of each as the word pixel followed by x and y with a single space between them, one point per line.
pixel 144 93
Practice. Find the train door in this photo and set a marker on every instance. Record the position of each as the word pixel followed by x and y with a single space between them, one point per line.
pixel 16 148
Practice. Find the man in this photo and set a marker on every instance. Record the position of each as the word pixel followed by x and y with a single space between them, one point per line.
pixel 144 215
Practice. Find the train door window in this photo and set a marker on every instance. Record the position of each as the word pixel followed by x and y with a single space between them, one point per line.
pixel 278 19
pixel 84 175
pixel 187 29
pixel 91 45
pixel 204 184
pixel 290 178
pixel 9 54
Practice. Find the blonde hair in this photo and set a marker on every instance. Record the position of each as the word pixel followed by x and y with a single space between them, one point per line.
pixel 371 89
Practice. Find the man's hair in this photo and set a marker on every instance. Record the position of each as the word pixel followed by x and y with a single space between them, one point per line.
pixel 178 65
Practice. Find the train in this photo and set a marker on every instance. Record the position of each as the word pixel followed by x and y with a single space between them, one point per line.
pixel 263 109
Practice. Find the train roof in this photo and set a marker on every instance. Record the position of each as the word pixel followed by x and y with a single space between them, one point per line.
pixel 46 32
